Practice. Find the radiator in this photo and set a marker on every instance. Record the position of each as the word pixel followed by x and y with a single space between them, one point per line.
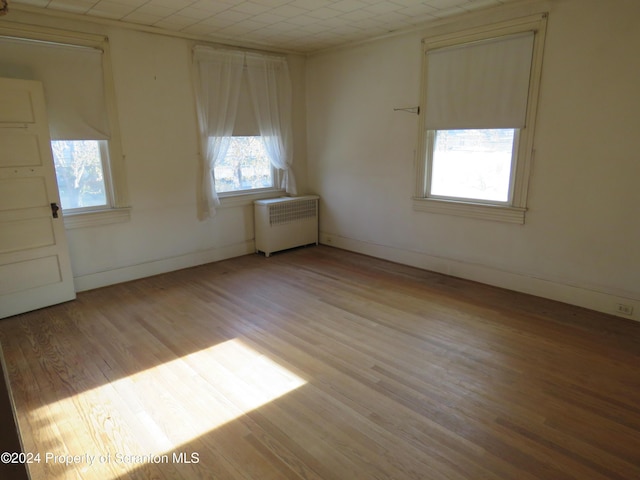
pixel 286 222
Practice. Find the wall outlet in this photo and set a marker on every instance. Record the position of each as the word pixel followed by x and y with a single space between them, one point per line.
pixel 624 309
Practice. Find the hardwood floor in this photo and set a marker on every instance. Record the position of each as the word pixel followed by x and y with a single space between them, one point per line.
pixel 321 364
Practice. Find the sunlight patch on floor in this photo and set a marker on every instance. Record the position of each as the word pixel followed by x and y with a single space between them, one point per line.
pixel 155 411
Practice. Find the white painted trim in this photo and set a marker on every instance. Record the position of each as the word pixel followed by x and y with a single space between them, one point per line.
pixel 96 218
pixel 156 267
pixel 578 295
pixel 54 35
pixel 244 199
pixel 497 213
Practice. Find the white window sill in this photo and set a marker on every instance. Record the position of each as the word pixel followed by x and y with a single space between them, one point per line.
pixel 96 218
pixel 498 213
pixel 242 199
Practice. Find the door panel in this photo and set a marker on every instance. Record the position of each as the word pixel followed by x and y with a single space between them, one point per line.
pixel 16 106
pixel 18 148
pixel 22 193
pixel 26 234
pixel 35 270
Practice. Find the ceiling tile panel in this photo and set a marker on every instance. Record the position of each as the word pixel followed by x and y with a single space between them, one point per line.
pixel 302 26
pixel 211 6
pixel 142 18
pixel 324 13
pixel 74 6
pixel 348 5
pixel 251 8
pixel 175 22
pixel 272 3
pixel 289 11
pixel 110 9
pixel 311 4
pixel 444 4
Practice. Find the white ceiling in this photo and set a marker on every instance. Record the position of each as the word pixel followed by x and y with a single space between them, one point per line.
pixel 292 25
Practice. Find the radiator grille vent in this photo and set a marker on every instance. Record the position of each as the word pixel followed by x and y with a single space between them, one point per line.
pixel 287 212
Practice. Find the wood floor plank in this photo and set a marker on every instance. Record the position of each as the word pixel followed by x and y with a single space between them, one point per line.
pixel 321 364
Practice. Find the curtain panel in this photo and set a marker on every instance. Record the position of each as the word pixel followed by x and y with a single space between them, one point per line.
pixel 271 92
pixel 219 81
pixel 217 87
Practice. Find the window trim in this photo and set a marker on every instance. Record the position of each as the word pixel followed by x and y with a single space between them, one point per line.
pixel 515 210
pixel 256 191
pixel 242 198
pixel 247 197
pixel 118 210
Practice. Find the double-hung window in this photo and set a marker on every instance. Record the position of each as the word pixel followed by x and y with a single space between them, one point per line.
pixel 244 105
pixel 245 166
pixel 79 97
pixel 478 98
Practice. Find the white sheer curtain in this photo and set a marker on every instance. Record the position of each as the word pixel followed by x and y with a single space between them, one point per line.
pixel 270 87
pixel 217 87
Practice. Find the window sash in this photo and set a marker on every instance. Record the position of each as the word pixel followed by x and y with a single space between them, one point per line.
pixel 431 143
pixel 273 174
pixel 103 146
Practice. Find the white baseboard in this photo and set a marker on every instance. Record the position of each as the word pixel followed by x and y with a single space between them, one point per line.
pixel 580 296
pixel 147 269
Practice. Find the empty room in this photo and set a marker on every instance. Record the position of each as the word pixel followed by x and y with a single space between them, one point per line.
pixel 320 239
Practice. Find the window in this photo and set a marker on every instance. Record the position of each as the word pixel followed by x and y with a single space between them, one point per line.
pixel 80 169
pixel 473 165
pixel 243 102
pixel 246 166
pixel 74 70
pixel 479 97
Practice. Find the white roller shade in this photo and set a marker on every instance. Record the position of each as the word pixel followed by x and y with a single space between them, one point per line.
pixel 73 83
pixel 482 84
pixel 246 124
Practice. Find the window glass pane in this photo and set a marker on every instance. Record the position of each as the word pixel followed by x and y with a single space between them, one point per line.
pixel 472 164
pixel 79 172
pixel 245 167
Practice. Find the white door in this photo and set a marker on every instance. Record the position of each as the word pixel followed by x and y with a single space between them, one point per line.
pixel 34 258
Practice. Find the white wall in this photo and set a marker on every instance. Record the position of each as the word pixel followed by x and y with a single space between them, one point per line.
pixel 158 126
pixel 581 240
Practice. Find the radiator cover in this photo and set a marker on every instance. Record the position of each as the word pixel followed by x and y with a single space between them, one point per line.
pixel 285 222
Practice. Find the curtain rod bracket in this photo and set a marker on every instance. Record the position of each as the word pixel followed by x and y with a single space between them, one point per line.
pixel 415 110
